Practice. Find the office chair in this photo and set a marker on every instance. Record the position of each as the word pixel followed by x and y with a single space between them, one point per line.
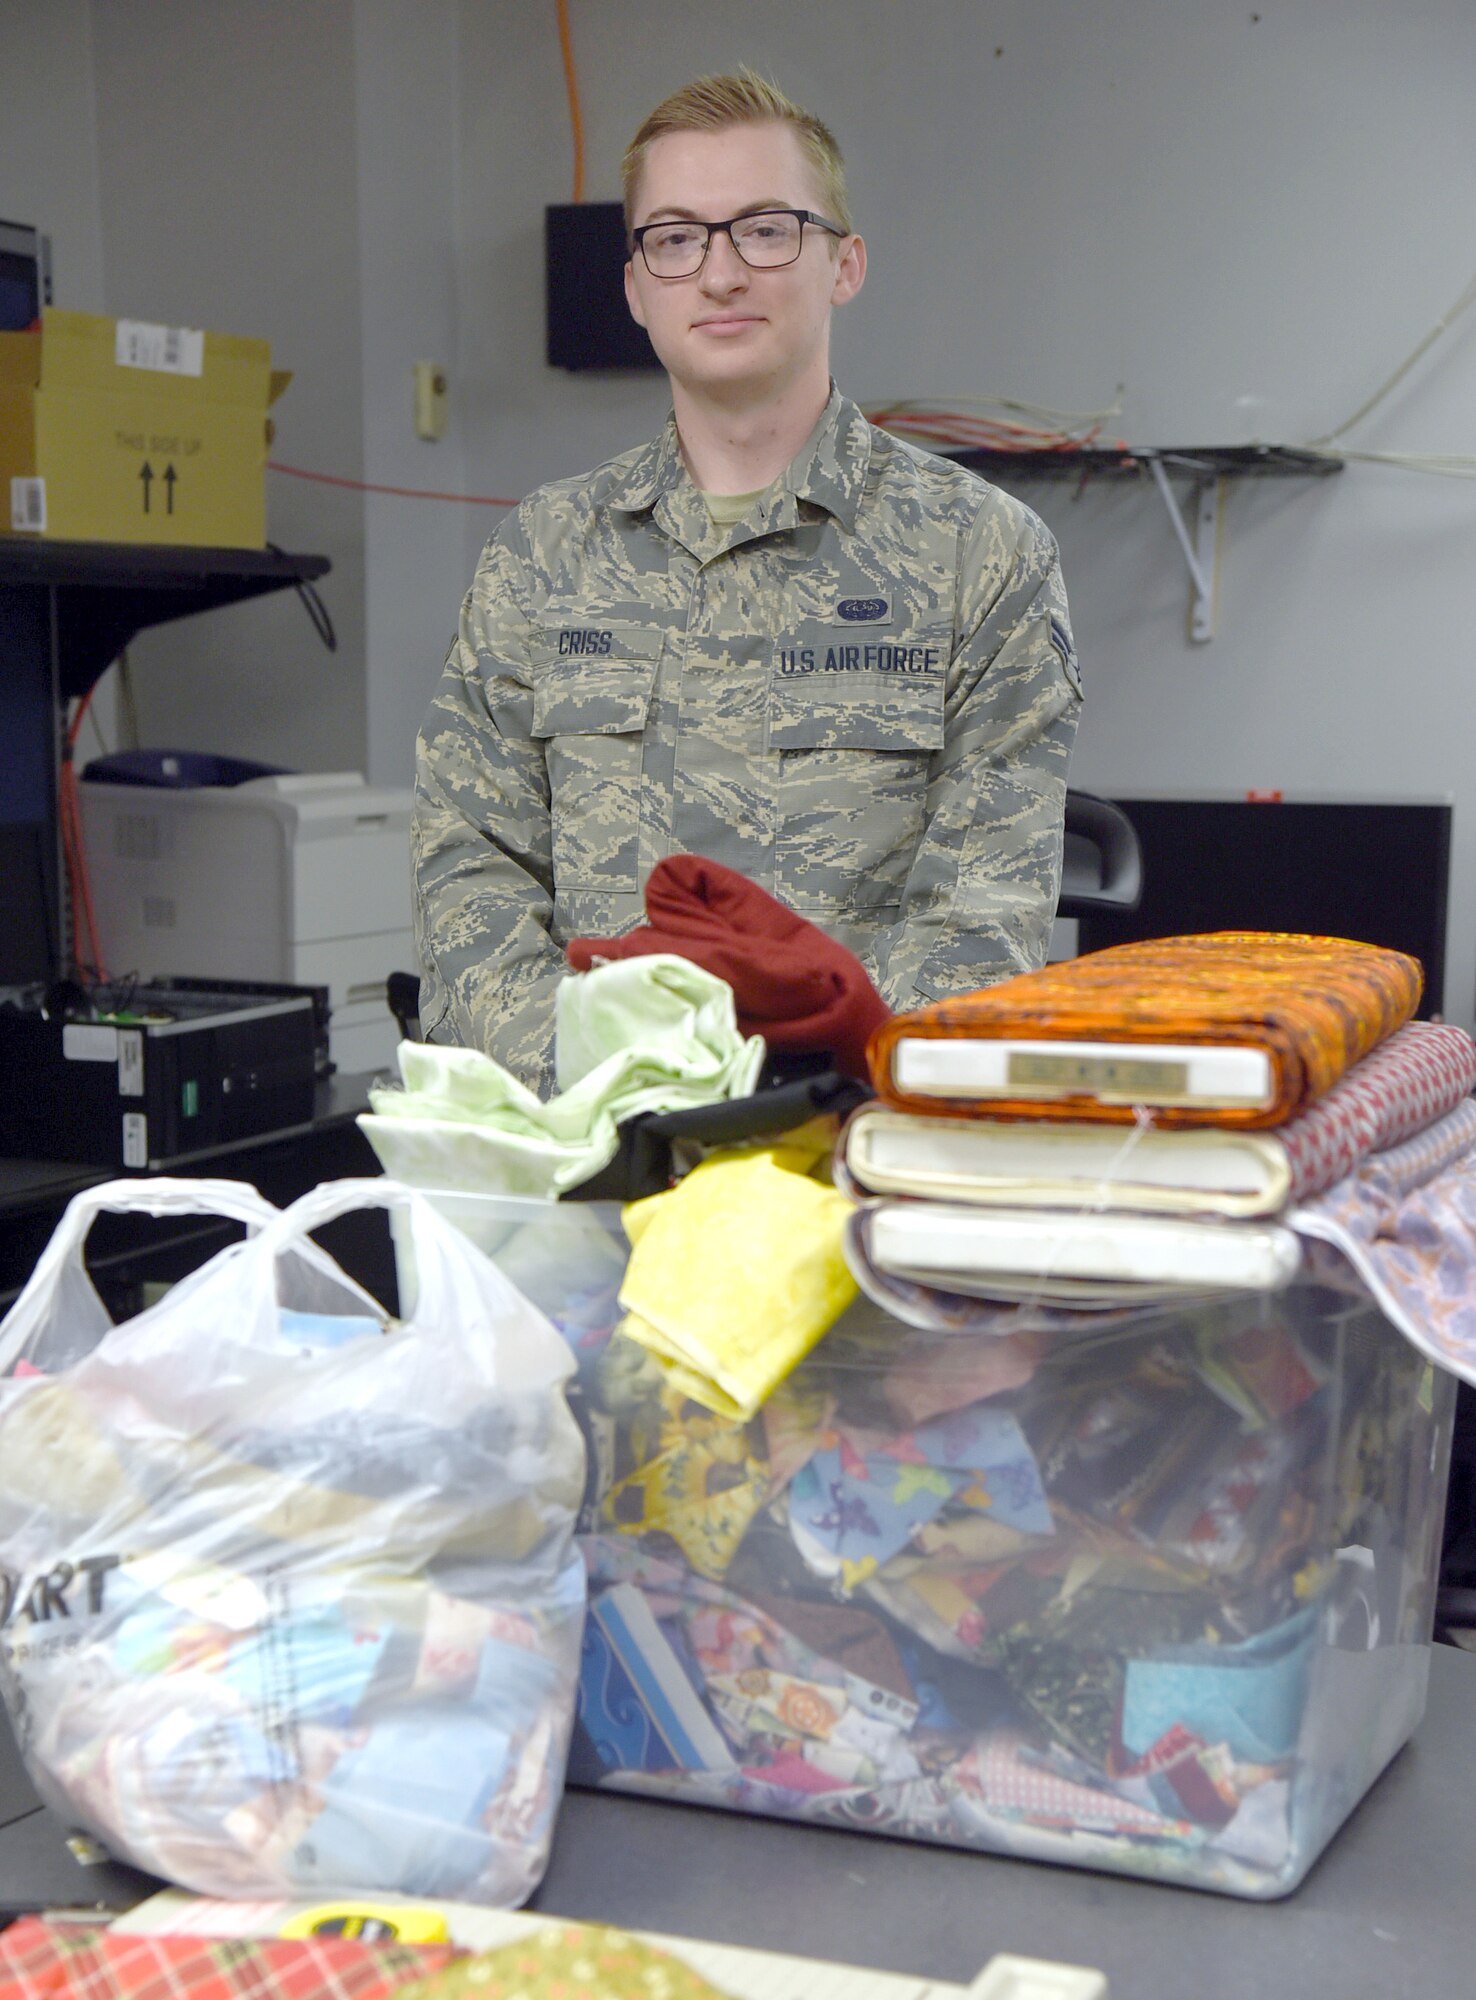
pixel 402 992
pixel 1102 862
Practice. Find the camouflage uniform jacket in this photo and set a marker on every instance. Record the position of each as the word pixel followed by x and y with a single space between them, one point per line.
pixel 863 696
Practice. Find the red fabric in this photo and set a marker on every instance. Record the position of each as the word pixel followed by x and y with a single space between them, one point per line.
pixel 45 1961
pixel 795 986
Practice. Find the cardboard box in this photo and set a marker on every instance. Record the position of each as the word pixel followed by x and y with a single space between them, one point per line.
pixel 122 431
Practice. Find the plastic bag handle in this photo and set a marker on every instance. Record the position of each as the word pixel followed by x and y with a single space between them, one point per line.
pixel 233 1201
pixel 334 1198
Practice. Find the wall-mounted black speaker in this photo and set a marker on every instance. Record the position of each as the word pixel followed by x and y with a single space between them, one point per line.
pixel 589 323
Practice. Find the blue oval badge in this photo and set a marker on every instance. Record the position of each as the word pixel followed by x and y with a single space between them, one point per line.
pixel 862 610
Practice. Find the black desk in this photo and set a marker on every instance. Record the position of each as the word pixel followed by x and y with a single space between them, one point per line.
pixel 123 1250
pixel 1385 1913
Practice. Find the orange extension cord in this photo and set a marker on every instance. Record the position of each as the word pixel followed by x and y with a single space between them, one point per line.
pixel 571 84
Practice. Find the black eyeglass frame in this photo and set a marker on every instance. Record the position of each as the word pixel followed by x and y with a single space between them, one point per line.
pixel 801 216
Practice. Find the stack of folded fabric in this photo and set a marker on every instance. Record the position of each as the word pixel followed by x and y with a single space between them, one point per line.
pixel 1135 1124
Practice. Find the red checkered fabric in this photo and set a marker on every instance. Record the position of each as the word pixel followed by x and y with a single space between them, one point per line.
pixel 44 1961
pixel 1421 1073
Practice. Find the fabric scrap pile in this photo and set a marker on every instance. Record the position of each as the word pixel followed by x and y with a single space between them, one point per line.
pixel 325 1646
pixel 1142 1585
pixel 1070 1598
pixel 723 988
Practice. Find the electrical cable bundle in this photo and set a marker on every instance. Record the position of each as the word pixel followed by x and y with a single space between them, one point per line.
pixel 1454 465
pixel 970 423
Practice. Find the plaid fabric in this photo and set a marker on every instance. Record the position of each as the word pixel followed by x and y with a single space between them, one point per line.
pixel 42 1961
pixel 1418 1075
pixel 1315 1005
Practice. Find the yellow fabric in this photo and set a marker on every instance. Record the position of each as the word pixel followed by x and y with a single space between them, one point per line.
pixel 735 1274
pixel 700 1482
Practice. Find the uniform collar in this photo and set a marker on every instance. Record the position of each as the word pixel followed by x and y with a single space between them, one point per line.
pixel 829 471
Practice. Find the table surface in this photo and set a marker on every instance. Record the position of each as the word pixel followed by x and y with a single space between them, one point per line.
pixel 1385 1913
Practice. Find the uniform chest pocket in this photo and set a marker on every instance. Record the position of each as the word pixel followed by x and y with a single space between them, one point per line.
pixel 590 711
pixel 854 743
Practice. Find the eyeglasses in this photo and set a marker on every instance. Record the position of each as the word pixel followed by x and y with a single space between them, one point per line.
pixel 766 241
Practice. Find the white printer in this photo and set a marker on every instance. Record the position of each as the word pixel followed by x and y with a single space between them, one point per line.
pixel 303 878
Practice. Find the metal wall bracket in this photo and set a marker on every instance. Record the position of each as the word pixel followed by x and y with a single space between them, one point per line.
pixel 1201 549
pixel 1205 467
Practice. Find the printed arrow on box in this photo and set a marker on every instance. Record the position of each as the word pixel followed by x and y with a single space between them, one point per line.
pixel 146 474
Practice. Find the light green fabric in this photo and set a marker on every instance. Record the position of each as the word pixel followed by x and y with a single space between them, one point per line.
pixel 636 1034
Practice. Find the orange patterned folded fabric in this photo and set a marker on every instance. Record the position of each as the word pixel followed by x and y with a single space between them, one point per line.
pixel 1233 1028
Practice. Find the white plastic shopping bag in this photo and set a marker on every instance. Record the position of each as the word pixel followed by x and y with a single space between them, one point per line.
pixel 289 1600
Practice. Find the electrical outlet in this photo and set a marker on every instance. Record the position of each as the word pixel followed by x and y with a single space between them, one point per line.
pixel 431 391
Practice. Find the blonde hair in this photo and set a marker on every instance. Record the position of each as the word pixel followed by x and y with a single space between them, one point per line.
pixel 711 104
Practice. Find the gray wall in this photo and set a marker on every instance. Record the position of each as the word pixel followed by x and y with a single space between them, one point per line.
pixel 228 167
pixel 48 141
pixel 407 66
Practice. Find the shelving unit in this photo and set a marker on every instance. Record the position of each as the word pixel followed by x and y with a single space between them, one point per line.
pixel 100 595
pixel 1205 468
pixel 67 610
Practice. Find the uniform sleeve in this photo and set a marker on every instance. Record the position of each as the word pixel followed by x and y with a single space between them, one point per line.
pixel 981 893
pixel 480 837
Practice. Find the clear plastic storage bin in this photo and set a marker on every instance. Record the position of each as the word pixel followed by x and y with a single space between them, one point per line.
pixel 1148 1591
